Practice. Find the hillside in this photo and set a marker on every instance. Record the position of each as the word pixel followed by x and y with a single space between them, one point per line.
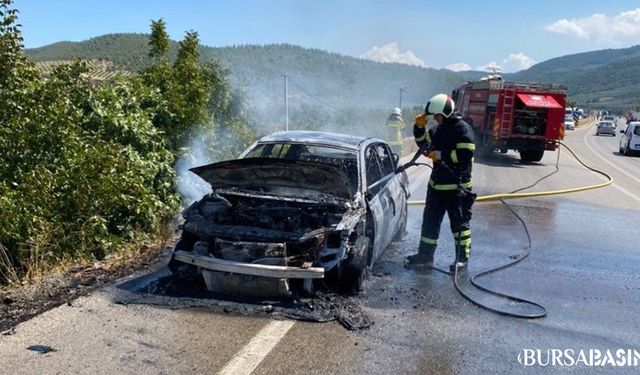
pixel 316 77
pixel 579 62
pixel 99 70
pixel 596 79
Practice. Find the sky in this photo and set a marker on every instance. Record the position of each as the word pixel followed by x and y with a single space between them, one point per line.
pixel 458 35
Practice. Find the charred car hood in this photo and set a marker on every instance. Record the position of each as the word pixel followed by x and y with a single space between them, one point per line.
pixel 261 172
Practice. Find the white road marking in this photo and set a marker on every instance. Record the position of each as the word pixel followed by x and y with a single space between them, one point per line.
pixel 258 348
pixel 596 153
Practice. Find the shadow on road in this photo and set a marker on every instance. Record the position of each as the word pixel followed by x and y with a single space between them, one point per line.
pixel 504 160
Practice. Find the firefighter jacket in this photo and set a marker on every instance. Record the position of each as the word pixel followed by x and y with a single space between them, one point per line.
pixel 454 139
pixel 395 124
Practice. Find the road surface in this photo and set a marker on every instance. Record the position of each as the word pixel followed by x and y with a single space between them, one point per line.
pixel 583 269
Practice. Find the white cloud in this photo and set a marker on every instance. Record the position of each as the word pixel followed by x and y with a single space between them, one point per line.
pixel 489 66
pixel 517 61
pixel 512 63
pixel 390 53
pixel 622 27
pixel 458 67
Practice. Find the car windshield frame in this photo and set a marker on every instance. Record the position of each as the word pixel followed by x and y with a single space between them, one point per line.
pixel 290 150
pixel 287 150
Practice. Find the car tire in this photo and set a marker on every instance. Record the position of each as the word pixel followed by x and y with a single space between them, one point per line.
pixel 625 151
pixel 355 270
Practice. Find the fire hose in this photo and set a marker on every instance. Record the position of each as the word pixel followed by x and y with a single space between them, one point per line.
pixel 542 312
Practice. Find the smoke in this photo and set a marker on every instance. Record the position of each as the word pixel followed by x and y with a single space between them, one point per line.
pixel 191 187
pixel 211 144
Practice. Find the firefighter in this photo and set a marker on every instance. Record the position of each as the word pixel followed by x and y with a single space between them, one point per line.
pixel 451 146
pixel 395 125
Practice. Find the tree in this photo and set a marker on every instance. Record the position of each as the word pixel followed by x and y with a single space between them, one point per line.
pixel 83 169
pixel 159 40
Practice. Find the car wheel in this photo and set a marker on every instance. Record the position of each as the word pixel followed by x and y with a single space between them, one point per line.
pixel 625 151
pixel 355 270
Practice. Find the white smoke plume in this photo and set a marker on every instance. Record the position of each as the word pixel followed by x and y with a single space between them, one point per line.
pixel 190 186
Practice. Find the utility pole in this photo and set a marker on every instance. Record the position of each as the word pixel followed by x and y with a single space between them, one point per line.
pixel 402 90
pixel 286 103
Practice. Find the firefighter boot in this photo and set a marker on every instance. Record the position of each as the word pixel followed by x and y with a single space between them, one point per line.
pixel 422 260
pixel 461 260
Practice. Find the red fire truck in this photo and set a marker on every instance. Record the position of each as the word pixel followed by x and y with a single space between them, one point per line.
pixel 528 118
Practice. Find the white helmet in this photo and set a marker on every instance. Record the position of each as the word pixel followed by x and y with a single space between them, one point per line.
pixel 397 111
pixel 440 104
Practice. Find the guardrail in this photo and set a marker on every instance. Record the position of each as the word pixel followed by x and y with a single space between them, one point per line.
pixel 585 121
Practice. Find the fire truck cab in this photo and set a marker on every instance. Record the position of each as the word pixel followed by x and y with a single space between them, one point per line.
pixel 528 118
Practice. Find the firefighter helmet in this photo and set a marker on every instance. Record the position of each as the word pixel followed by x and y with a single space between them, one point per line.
pixel 440 104
pixel 397 111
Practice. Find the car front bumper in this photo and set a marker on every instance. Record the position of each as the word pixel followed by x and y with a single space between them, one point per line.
pixel 242 268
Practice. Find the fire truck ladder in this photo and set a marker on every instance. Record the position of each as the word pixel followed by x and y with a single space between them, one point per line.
pixel 506 121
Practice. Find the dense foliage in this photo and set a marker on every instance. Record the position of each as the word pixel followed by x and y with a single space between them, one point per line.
pixel 88 169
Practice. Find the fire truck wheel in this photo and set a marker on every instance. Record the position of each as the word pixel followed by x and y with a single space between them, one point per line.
pixel 531 155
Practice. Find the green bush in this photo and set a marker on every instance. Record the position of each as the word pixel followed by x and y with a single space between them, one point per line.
pixel 88 169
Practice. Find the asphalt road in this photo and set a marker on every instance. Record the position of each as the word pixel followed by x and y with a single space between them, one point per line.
pixel 583 269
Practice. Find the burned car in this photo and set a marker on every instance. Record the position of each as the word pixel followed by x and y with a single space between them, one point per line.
pixel 298 211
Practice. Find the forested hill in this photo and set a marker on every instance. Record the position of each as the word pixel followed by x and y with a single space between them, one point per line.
pixel 598 79
pixel 316 77
pixel 607 78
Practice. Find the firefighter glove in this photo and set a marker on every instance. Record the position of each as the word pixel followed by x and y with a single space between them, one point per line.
pixel 421 120
pixel 434 155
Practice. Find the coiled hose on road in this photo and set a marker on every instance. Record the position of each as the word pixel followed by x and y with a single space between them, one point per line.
pixel 541 310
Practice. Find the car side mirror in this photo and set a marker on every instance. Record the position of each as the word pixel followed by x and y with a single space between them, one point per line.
pixel 396 158
pixel 621 131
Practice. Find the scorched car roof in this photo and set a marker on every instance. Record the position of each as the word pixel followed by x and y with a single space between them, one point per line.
pixel 312 137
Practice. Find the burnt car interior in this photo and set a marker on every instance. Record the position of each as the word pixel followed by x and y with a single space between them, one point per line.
pixel 316 154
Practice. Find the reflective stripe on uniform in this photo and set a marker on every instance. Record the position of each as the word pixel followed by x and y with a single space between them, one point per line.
pixel 428 240
pixel 464 242
pixel 420 139
pixel 449 186
pixel 464 233
pixel 395 143
pixel 454 156
pixel 468 146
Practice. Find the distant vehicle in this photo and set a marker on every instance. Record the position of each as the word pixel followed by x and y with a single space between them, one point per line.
pixel 606 127
pixel 296 208
pixel 526 117
pixel 630 140
pixel 569 124
pixel 612 119
pixel 568 112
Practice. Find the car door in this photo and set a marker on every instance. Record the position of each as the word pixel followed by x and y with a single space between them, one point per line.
pixel 379 200
pixel 397 185
pixel 626 136
pixel 634 138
